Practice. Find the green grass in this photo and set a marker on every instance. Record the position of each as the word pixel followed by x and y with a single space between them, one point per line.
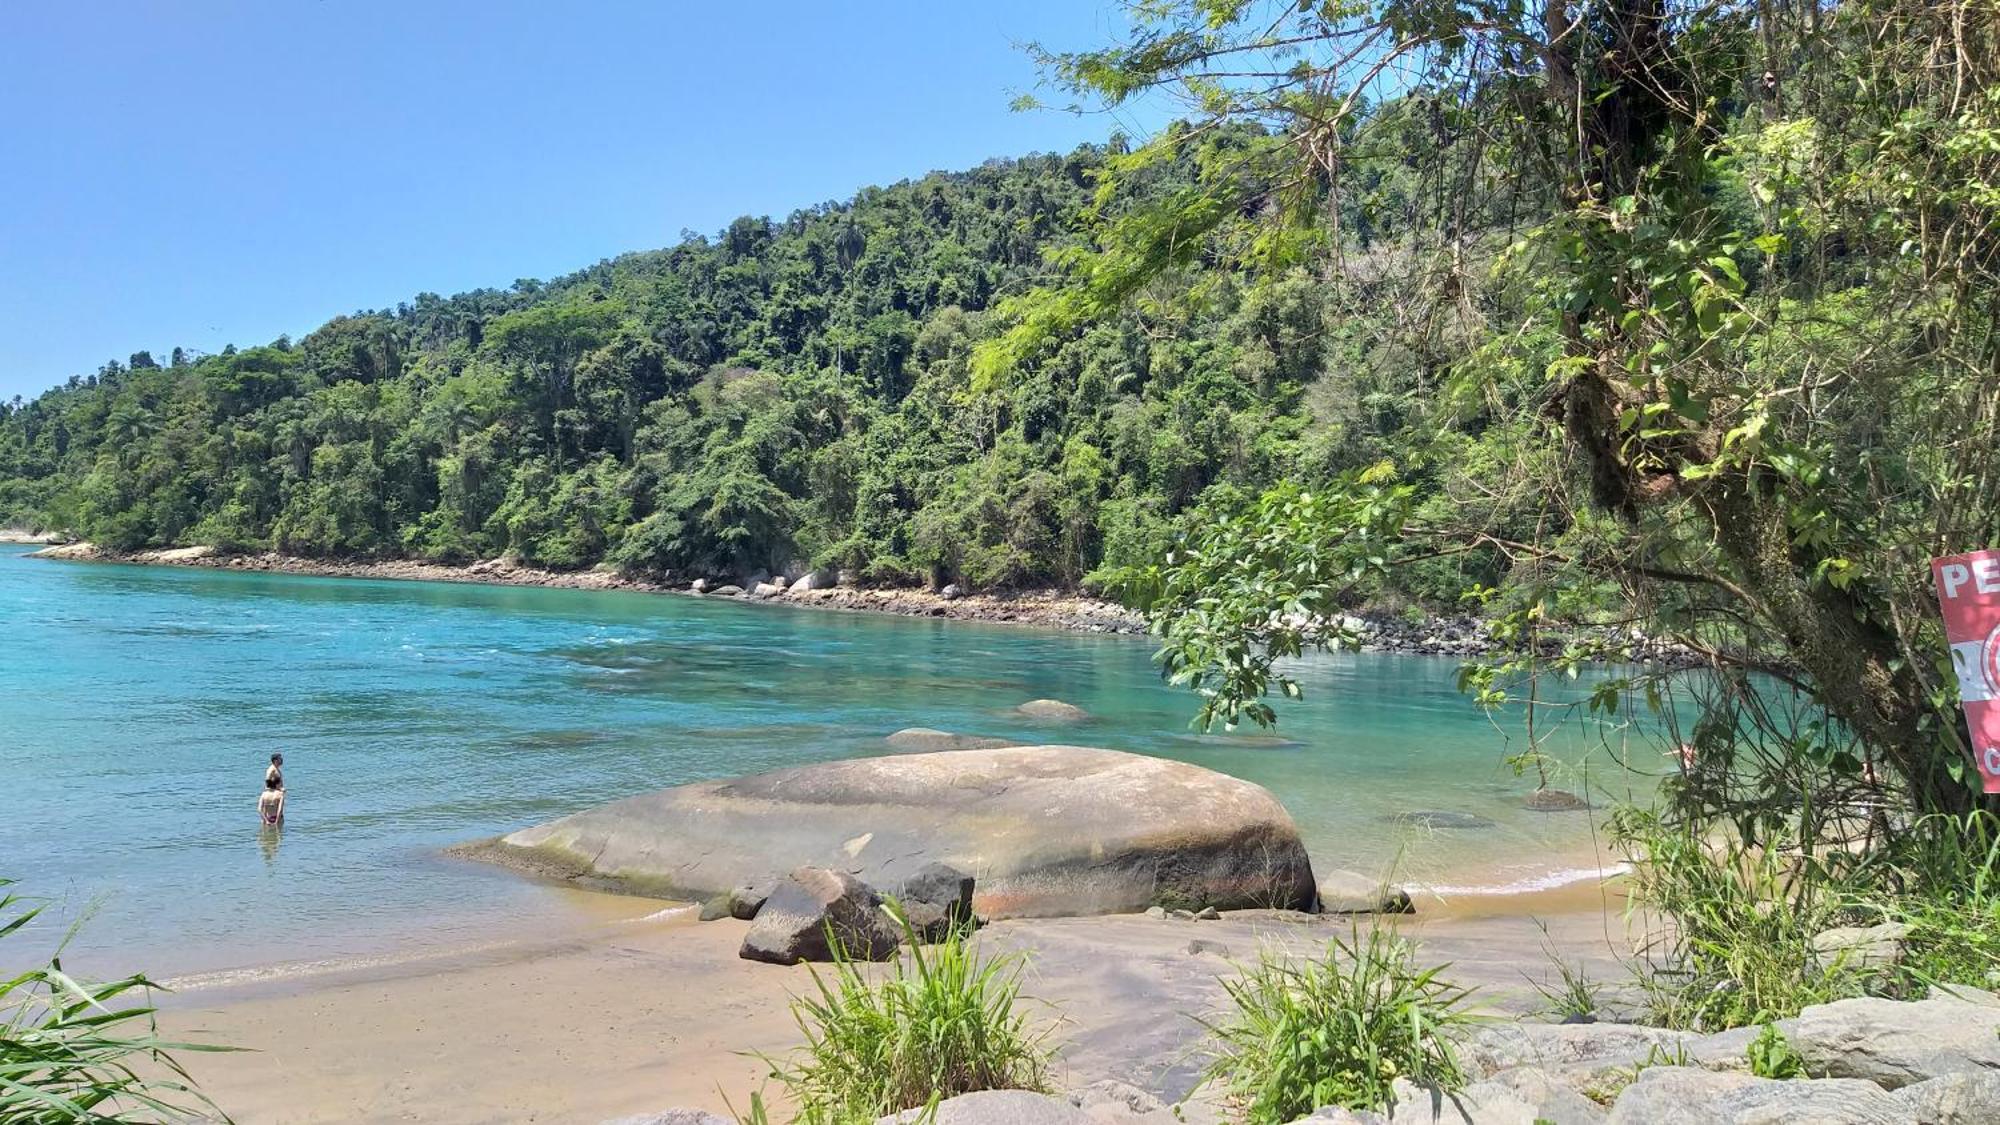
pixel 74 1051
pixel 939 1021
pixel 1337 1030
pixel 1771 1055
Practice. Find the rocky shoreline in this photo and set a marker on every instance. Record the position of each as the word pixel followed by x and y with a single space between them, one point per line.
pixel 1458 636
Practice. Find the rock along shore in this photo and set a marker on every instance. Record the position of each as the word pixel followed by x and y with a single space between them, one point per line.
pixel 1461 636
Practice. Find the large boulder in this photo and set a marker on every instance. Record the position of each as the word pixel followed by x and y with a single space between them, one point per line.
pixel 1680 1095
pixel 1045 830
pixel 1527 1099
pixel 1896 1043
pixel 996 1107
pixel 813 908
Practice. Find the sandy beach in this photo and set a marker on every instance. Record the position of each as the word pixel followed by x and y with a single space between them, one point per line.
pixel 637 1014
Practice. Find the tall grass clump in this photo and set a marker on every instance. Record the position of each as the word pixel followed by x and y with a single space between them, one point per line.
pixel 72 1051
pixel 1337 1030
pixel 1738 948
pixel 939 1021
pixel 1941 877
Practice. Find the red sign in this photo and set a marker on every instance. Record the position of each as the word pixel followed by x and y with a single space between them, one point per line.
pixel 1969 590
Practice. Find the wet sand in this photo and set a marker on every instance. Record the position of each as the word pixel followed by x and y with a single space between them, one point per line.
pixel 633 1016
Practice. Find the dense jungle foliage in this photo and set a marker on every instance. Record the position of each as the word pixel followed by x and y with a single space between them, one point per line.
pixel 787 392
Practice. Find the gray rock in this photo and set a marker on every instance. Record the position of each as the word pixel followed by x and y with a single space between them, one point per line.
pixel 942 886
pixel 1554 800
pixel 730 591
pixel 1437 818
pixel 1676 1095
pixel 1483 1103
pixel 1896 1043
pixel 1861 947
pixel 812 902
pixel 996 1107
pixel 1349 892
pixel 1052 710
pixel 805 585
pixel 672 1117
pixel 1955 1099
pixel 1208 914
pixel 1048 830
pixel 764 590
pixel 699 586
pixel 1548 1096
pixel 926 740
pixel 1498 1047
pixel 952 592
pixel 715 909
pixel 1121 1103
pixel 1199 946
pixel 746 900
pixel 1965 993
pixel 1181 915
pixel 1156 912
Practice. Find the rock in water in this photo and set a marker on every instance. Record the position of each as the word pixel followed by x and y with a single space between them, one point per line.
pixel 1433 818
pixel 926 739
pixel 1052 711
pixel 795 922
pixel 1554 800
pixel 1046 831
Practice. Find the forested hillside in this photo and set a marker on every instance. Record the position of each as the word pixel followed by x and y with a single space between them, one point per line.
pixel 791 390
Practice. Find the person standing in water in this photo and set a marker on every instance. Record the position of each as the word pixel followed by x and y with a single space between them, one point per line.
pixel 271 802
pixel 276 771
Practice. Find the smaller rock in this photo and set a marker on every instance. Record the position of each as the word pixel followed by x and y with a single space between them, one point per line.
pixel 1052 710
pixel 730 591
pixel 698 586
pixel 745 901
pixel 952 592
pixel 715 908
pixel 1349 892
pixel 927 740
pixel 1181 915
pixel 1208 914
pixel 805 585
pixel 1861 947
pixel 1554 800
pixel 1156 912
pixel 995 1107
pixel 1200 946
pixel 1437 818
pixel 1680 1095
pixel 943 887
pixel 794 923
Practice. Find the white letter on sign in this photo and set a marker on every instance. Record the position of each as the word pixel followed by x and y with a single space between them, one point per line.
pixel 1987 573
pixel 1954 576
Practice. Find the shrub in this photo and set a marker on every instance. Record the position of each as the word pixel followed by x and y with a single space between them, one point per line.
pixel 1739 950
pixel 943 1020
pixel 74 1051
pixel 1337 1030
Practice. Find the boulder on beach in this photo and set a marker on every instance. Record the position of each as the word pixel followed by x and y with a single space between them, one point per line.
pixel 1349 892
pixel 1052 711
pixel 925 739
pixel 1044 830
pixel 811 910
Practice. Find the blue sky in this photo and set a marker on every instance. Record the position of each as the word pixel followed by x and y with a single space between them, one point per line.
pixel 200 173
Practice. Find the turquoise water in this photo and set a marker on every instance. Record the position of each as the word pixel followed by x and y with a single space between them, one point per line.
pixel 139 705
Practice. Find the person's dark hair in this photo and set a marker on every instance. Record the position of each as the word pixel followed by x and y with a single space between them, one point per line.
pixel 277 759
pixel 270 783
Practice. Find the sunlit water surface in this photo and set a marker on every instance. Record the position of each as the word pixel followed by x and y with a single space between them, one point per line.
pixel 138 707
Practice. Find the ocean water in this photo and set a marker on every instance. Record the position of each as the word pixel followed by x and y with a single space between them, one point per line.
pixel 138 707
